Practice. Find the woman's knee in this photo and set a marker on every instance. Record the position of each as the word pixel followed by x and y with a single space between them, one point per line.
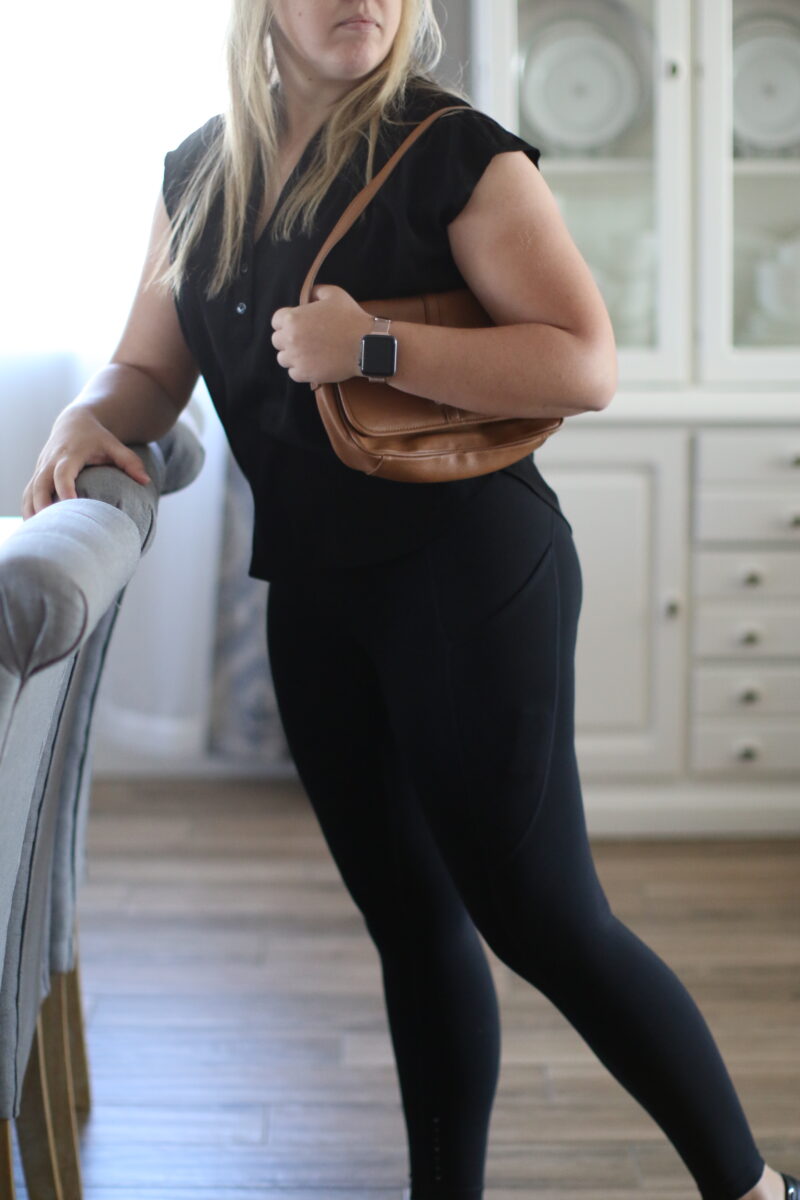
pixel 543 920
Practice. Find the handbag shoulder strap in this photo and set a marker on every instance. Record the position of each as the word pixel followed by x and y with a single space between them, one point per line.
pixel 362 199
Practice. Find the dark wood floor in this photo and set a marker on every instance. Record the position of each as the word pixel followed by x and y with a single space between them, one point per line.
pixel 238 1039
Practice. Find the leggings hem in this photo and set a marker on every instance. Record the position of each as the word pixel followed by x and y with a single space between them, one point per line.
pixel 740 1190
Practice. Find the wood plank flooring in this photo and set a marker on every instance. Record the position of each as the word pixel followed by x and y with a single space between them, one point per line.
pixel 237 1033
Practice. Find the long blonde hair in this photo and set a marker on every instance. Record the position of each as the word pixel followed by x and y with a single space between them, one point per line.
pixel 247 138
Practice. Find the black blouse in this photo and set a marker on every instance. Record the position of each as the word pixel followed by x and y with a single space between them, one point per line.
pixel 311 510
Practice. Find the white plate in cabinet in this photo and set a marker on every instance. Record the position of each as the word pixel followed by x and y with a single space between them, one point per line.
pixel 741 690
pixel 759 631
pixel 771 456
pixel 736 514
pixel 745 747
pixel 767 574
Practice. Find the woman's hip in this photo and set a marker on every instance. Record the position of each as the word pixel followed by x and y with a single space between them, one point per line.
pixel 491 561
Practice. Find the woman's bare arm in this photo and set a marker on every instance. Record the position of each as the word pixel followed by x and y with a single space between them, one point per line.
pixel 137 397
pixel 553 353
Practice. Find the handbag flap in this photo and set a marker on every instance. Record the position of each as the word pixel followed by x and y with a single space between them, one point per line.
pixel 379 409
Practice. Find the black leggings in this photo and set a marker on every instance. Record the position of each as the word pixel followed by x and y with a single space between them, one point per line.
pixel 428 703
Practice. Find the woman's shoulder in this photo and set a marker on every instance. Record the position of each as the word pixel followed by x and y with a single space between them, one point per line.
pixel 196 143
pixel 442 168
pixel 180 162
pixel 420 98
pixel 469 132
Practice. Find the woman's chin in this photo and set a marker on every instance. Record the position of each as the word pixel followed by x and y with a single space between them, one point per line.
pixel 358 64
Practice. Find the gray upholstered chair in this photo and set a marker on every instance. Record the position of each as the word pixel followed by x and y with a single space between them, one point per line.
pixel 62 577
pixel 172 465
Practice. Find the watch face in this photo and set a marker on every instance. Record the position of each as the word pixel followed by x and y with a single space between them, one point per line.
pixel 378 354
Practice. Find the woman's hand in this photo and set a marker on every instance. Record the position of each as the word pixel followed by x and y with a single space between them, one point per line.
pixel 320 341
pixel 76 441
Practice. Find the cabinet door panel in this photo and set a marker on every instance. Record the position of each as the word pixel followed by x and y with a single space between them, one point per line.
pixel 625 494
pixel 747 186
pixel 615 141
pixel 610 515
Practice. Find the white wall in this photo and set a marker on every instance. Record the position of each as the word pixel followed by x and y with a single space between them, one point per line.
pixel 154 701
pixel 123 86
pixel 33 389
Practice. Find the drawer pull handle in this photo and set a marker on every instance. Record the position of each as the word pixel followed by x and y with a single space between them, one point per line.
pixel 672 608
pixel 750 637
pixel 747 753
pixel 795 521
pixel 750 696
pixel 796 460
pixel 753 579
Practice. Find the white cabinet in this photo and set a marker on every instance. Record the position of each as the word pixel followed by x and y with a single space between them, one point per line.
pixel 669 133
pixel 670 136
pixel 625 494
pixel 688 655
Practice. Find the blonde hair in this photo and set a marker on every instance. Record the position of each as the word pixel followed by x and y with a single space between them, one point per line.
pixel 247 139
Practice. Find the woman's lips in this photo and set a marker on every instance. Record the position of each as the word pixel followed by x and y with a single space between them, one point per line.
pixel 358 23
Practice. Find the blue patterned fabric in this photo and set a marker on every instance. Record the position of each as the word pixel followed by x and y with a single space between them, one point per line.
pixel 245 724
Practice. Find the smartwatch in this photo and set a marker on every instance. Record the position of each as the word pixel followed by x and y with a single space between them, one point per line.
pixel 378 358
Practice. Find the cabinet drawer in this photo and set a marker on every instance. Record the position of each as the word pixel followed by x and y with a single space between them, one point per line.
pixel 755 631
pixel 745 747
pixel 743 513
pixel 767 574
pixel 771 455
pixel 741 690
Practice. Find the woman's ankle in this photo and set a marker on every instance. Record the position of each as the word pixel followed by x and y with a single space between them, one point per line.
pixel 769 1187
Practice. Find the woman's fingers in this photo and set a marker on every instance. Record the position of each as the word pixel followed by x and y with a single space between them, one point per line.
pixel 64 475
pixel 128 462
pixel 41 491
pixel 54 479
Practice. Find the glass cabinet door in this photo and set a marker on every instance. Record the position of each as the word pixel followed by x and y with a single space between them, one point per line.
pixel 749 268
pixel 601 87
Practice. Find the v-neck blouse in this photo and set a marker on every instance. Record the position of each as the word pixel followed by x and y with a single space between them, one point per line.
pixel 310 509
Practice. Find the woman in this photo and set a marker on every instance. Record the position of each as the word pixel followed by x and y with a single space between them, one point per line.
pixel 421 636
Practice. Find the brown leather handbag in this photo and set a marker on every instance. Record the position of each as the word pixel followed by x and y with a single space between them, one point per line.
pixel 381 430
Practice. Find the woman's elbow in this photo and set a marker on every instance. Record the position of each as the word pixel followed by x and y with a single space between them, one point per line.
pixel 603 376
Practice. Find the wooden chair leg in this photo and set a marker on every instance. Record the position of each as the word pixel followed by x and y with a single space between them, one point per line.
pixel 34 1128
pixel 59 1088
pixel 6 1163
pixel 77 1042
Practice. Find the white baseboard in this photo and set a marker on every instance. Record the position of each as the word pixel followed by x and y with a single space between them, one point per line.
pixel 690 809
pixel 676 809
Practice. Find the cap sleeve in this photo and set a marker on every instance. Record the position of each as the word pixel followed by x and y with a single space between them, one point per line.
pixel 180 163
pixel 456 150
